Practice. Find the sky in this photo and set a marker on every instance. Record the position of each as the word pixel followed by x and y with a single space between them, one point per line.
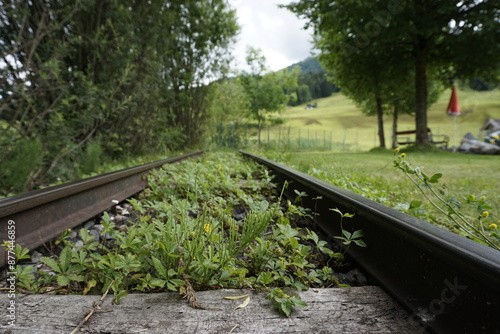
pixel 276 32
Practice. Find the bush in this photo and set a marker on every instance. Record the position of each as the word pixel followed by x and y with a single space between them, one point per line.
pixel 90 159
pixel 18 164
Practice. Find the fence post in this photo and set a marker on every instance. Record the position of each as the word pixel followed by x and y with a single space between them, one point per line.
pixel 219 135
pixel 233 134
pixel 288 141
pixel 245 136
pixel 268 135
pixel 298 142
pixel 279 137
pixel 343 140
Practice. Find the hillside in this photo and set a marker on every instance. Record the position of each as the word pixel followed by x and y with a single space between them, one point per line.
pixel 308 66
pixel 313 82
pixel 337 117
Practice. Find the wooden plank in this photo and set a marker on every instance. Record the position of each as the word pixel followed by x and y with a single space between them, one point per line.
pixel 341 310
pixel 408 132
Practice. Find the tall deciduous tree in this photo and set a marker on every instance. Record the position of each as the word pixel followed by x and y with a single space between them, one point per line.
pixel 266 91
pixel 229 101
pixel 228 111
pixel 431 35
pixel 129 76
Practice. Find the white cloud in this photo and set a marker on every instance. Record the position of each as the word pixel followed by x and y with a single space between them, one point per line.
pixel 277 32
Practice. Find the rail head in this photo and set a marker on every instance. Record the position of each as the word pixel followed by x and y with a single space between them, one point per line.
pixel 451 280
pixel 18 203
pixel 41 215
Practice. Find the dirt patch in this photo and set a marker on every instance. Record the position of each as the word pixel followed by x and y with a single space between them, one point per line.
pixel 311 121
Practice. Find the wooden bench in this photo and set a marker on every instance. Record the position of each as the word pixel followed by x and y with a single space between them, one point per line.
pixel 434 139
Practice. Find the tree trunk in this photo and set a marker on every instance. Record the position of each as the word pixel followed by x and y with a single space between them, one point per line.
pixel 380 121
pixel 395 128
pixel 421 94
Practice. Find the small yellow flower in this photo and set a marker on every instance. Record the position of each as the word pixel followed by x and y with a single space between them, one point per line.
pixel 493 226
pixel 396 150
pixel 403 155
pixel 482 198
pixel 207 228
pixel 473 197
pixel 485 214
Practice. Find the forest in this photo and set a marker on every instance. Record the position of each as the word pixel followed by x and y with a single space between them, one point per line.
pixel 88 80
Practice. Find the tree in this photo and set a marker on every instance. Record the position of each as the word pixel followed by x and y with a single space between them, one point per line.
pixel 433 36
pixel 364 76
pixel 228 108
pixel 202 35
pixel 266 92
pixel 315 78
pixel 129 76
pixel 303 95
pixel 229 101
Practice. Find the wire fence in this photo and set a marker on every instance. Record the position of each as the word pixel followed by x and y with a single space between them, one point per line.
pixel 286 138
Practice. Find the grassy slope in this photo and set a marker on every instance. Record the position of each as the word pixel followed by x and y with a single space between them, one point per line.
pixel 338 117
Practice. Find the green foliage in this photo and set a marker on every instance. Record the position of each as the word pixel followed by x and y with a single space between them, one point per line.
pixel 229 108
pixel 21 253
pixel 347 237
pixel 476 227
pixel 185 233
pixel 313 82
pixel 19 163
pixel 91 79
pixel 373 47
pixel 284 303
pixel 90 159
pixel 267 93
pixel 467 183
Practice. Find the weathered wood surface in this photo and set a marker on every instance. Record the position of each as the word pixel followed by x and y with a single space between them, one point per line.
pixel 343 310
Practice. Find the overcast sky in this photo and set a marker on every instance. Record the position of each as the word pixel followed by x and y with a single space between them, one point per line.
pixel 277 32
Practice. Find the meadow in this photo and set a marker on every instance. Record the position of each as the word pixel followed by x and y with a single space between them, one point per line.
pixel 469 182
pixel 337 124
pixel 340 138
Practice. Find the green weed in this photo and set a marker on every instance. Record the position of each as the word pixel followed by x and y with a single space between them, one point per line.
pixel 475 224
pixel 216 224
pixel 469 179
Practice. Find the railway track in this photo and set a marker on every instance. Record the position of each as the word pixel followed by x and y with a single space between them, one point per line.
pixel 41 215
pixel 447 283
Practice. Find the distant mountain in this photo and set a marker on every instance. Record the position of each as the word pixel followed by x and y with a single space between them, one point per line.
pixel 308 66
pixel 313 83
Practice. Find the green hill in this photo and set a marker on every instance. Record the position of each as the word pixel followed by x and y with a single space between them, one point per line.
pixel 308 66
pixel 338 120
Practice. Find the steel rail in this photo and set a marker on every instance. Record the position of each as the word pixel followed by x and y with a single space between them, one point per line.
pixel 41 215
pixel 448 283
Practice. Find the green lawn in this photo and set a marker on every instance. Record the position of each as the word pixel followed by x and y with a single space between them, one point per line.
pixel 339 122
pixel 373 175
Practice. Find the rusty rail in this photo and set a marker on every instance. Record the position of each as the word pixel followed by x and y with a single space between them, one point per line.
pixel 448 283
pixel 41 215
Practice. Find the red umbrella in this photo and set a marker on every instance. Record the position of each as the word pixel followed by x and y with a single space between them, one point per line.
pixel 453 107
pixel 453 110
